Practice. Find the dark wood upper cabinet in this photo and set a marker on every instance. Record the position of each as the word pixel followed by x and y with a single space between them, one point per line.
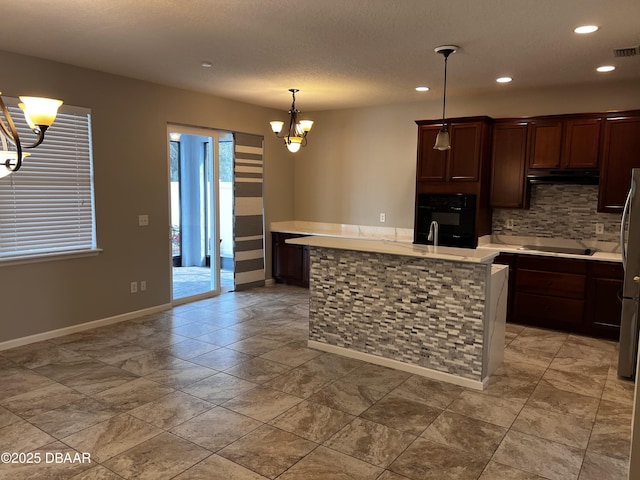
pixel 432 164
pixel 508 165
pixel 564 141
pixel 463 162
pixel 466 152
pixel 582 142
pixel 545 143
pixel 620 153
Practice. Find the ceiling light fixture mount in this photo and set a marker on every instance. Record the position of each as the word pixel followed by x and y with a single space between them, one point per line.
pixel 442 140
pixel 39 113
pixel 296 135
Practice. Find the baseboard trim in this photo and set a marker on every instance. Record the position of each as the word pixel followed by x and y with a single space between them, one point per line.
pixel 269 281
pixel 405 367
pixel 60 332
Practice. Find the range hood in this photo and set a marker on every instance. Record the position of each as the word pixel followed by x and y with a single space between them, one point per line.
pixel 576 177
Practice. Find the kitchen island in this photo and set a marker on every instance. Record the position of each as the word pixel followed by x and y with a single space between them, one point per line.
pixel 433 311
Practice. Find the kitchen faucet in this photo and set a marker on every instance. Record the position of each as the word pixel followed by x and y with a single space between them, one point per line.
pixel 433 233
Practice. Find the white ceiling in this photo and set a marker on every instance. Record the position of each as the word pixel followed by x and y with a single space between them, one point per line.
pixel 339 53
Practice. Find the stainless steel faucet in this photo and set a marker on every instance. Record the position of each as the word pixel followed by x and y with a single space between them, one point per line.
pixel 433 233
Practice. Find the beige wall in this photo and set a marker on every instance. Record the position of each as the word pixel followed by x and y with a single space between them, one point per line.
pixel 129 119
pixel 361 162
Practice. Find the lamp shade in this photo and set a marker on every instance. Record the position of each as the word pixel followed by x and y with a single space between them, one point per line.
pixel 40 111
pixel 276 126
pixel 442 140
pixel 305 125
pixel 294 144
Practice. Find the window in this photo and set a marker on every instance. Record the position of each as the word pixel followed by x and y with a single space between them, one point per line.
pixel 47 206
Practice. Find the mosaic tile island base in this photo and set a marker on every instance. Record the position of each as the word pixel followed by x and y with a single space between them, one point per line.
pixel 434 311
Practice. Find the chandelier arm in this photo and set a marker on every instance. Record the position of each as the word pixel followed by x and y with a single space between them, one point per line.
pixel 40 138
pixel 12 134
pixel 10 131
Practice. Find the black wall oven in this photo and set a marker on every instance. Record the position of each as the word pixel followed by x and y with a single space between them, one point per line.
pixel 455 214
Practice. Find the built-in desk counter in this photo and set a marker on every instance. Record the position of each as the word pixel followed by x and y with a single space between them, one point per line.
pixel 434 311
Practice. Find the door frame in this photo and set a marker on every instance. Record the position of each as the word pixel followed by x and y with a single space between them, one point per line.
pixel 214 134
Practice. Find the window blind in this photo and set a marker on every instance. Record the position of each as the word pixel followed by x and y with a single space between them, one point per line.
pixel 47 206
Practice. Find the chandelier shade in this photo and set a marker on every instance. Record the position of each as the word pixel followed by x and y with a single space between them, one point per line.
pixel 40 113
pixel 295 136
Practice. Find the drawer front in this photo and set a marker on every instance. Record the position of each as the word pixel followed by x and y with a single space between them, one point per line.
pixel 606 270
pixel 552 264
pixel 551 283
pixel 547 311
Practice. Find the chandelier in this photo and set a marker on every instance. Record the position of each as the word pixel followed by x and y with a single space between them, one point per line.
pixel 296 135
pixel 442 140
pixel 40 114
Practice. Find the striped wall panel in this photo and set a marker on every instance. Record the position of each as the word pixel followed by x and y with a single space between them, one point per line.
pixel 248 212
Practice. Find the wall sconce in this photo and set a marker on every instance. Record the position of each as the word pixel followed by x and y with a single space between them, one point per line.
pixel 442 140
pixel 40 113
pixel 296 135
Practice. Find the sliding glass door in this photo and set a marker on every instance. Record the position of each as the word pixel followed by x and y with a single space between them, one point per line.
pixel 201 163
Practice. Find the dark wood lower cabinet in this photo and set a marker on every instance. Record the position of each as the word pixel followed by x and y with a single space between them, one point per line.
pixel 509 259
pixel 571 295
pixel 290 262
pixel 604 304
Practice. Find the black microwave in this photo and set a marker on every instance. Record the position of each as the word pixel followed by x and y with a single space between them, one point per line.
pixel 456 217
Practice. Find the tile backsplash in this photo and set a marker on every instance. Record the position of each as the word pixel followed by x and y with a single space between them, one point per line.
pixel 560 211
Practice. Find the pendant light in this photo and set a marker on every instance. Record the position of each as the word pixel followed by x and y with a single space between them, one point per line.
pixel 295 136
pixel 442 140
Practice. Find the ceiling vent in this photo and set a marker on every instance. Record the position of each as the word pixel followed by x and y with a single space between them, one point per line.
pixel 626 52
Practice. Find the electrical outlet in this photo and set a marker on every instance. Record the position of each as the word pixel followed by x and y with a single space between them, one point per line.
pixel 509 223
pixel 383 218
pixel 134 287
pixel 143 285
pixel 599 228
pixel 143 220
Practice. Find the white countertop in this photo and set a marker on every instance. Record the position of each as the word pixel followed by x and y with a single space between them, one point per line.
pixel 464 255
pixel 598 256
pixel 403 238
pixel 343 230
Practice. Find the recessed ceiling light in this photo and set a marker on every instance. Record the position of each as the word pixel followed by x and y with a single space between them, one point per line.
pixel 504 79
pixel 207 64
pixel 586 29
pixel 422 89
pixel 606 68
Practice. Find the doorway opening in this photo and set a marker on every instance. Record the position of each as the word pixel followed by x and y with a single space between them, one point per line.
pixel 201 183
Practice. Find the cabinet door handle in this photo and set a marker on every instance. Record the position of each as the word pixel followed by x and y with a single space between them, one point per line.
pixel 636 278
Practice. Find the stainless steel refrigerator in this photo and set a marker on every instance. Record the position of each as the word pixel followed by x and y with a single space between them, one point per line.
pixel 630 231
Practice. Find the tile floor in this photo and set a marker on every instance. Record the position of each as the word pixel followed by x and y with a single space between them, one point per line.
pixel 225 388
pixel 189 281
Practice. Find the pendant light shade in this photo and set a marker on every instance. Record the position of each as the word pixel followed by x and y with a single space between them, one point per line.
pixel 442 140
